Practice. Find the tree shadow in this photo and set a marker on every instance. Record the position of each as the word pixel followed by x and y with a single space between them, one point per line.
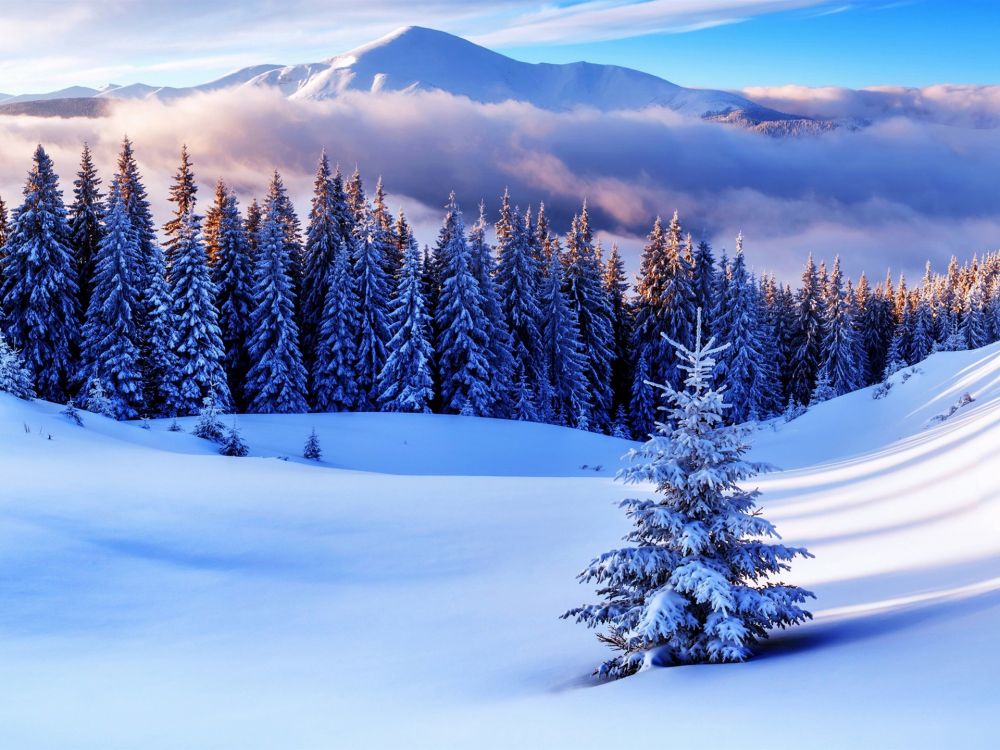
pixel 846 631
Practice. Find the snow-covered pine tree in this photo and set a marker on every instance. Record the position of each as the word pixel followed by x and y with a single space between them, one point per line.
pixel 153 317
pixel 323 238
pixel 183 194
pixel 14 377
pixel 461 345
pixel 276 382
pixel 921 337
pixel 405 383
pixel 644 396
pixel 741 359
pixel 665 299
pixel 312 450
pixel 517 276
pixel 209 426
pixel 232 275
pixel 807 336
pixel 561 347
pixel 704 281
pixel 212 221
pixel 501 361
pixel 251 225
pixel 39 287
pixel 98 401
pixel 383 230
pixel 110 352
pixel 334 375
pixel 824 389
pixel 234 444
pixel 72 413
pixel 616 287
pixel 372 286
pixel 86 218
pixel 975 327
pixel 278 203
pixel 587 297
pixel 197 341
pixel 839 350
pixel 697 583
pixel 4 225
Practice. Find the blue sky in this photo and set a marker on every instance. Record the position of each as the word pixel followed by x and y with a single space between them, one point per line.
pixel 713 43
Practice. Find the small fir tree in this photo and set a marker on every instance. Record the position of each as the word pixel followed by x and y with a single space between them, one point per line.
pixel 234 445
pixel 312 450
pixel 14 378
pixel 696 584
pixel 209 426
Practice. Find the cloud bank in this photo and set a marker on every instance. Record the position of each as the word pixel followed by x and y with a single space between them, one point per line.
pixel 889 195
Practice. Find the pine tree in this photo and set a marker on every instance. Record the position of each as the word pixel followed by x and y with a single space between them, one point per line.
pixel 197 342
pixel 461 345
pixel 4 227
pixel 665 299
pixel 232 275
pixel 278 203
pixel 323 238
pixel 974 324
pixel 696 586
pixel 561 347
pixel 251 225
pixel 276 382
pixel 312 450
pixel 501 359
pixel 110 337
pixel 183 194
pixel 39 292
pixel 98 401
pixel 517 277
pixel 807 336
pixel 405 383
pixel 72 413
pixel 644 396
pixel 616 288
pixel 234 444
pixel 86 217
pixel 587 297
pixel 372 287
pixel 741 361
pixel 838 352
pixel 209 426
pixel 153 317
pixel 704 281
pixel 334 374
pixel 212 222
pixel 14 377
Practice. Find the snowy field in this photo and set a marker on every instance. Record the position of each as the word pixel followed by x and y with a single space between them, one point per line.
pixel 405 592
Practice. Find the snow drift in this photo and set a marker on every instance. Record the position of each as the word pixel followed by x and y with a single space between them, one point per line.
pixel 406 591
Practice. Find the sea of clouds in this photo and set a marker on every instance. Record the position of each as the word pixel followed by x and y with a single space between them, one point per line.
pixel 903 189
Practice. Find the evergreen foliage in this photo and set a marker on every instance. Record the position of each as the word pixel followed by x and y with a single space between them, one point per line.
pixel 312 450
pixel 697 583
pixel 39 284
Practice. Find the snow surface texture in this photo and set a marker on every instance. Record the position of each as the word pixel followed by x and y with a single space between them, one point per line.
pixel 405 591
pixel 418 59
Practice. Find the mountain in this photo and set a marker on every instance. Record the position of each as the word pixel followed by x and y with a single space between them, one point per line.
pixel 419 59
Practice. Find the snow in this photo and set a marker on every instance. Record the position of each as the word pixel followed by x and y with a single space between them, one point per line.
pixel 405 591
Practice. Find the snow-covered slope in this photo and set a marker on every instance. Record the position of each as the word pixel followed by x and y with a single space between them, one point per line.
pixel 419 59
pixel 406 591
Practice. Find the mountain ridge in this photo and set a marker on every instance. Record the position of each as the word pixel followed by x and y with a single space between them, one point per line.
pixel 415 58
